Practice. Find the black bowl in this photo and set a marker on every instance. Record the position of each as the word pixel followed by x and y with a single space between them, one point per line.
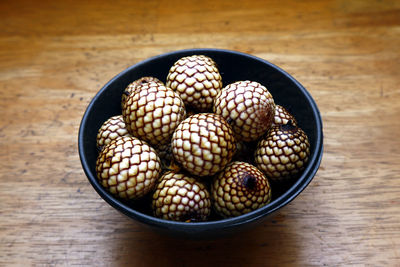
pixel 233 66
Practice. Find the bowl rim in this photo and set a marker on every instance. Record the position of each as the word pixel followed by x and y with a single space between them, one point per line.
pixel 302 182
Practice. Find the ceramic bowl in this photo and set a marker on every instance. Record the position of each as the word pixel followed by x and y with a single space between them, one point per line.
pixel 233 66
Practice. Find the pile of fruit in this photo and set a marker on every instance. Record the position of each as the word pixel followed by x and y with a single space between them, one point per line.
pixel 195 148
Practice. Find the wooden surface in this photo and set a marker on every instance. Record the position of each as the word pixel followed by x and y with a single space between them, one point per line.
pixel 55 56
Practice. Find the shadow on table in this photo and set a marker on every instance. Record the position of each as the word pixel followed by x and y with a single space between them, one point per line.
pixel 270 243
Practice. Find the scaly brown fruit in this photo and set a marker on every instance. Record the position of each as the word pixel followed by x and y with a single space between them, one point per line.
pixel 111 129
pixel 248 107
pixel 179 197
pixel 128 168
pixel 203 144
pixel 135 84
pixel 282 116
pixel 197 80
pixel 152 112
pixel 239 189
pixel 283 153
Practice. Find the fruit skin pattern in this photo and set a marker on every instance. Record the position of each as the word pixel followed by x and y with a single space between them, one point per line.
pixel 135 84
pixel 283 153
pixel 128 167
pixel 169 146
pixel 197 80
pixel 203 144
pixel 111 129
pixel 179 197
pixel 152 112
pixel 249 108
pixel 239 189
pixel 283 116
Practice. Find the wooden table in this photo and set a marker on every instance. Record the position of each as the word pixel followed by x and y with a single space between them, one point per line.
pixel 55 56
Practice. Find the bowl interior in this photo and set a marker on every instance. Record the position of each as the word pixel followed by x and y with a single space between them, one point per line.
pixel 233 66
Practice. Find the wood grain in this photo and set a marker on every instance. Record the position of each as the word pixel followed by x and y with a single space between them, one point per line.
pixel 55 56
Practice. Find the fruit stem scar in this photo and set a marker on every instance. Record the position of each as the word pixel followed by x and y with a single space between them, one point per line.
pixel 265 115
pixel 288 126
pixel 249 181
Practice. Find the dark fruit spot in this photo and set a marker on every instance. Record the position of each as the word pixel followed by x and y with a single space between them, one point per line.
pixel 191 216
pixel 249 181
pixel 265 115
pixel 289 127
pixel 229 120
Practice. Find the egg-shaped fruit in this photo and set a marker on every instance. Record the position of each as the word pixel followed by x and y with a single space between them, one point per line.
pixel 239 189
pixel 283 153
pixel 179 197
pixel 248 107
pixel 203 144
pixel 152 112
pixel 128 168
pixel 197 80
